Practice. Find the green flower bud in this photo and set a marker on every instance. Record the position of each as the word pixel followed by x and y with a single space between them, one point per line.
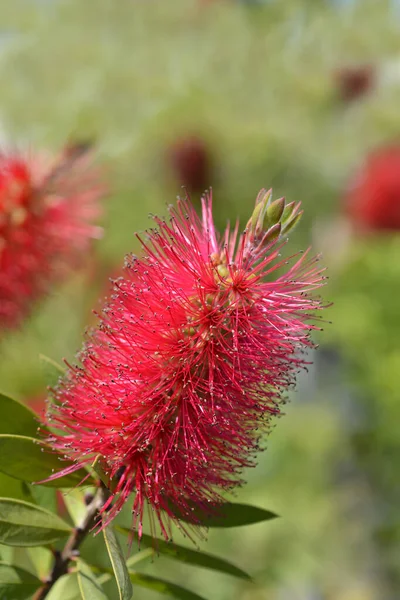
pixel 291 224
pixel 273 233
pixel 287 212
pixel 256 221
pixel 271 219
pixel 275 211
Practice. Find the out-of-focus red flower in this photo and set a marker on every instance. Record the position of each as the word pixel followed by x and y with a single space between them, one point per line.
pixel 373 198
pixel 48 210
pixel 190 362
pixel 192 164
pixel 354 82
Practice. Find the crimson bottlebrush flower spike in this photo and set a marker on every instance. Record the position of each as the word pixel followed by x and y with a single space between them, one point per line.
pixel 48 209
pixel 372 200
pixel 190 361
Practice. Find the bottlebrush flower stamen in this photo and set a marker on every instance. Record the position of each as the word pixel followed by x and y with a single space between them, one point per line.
pixel 48 210
pixel 190 362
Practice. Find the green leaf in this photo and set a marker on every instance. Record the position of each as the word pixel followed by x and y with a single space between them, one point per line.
pixel 98 469
pixel 42 559
pixel 13 488
pixel 44 496
pixel 229 514
pixel 52 370
pixel 189 556
pixel 32 460
pixel 235 515
pixel 65 588
pixel 118 564
pixel 17 418
pixel 153 583
pixel 53 363
pixel 7 553
pixel 163 587
pixel 131 561
pixel 16 583
pixel 24 524
pixel 90 589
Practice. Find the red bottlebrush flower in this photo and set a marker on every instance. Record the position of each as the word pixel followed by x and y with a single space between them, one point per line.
pixel 190 361
pixel 48 207
pixel 373 198
pixel 191 163
pixel 354 82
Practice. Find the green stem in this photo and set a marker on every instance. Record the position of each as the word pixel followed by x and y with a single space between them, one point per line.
pixel 71 548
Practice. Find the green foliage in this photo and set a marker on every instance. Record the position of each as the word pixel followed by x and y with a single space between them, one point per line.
pixel 16 583
pixel 13 488
pixel 33 460
pixel 163 587
pixel 118 563
pixel 66 588
pixel 24 524
pixel 99 471
pixel 367 331
pixel 186 555
pixel 230 514
pixel 44 497
pixel 42 559
pixel 90 589
pixel 51 369
pixel 16 418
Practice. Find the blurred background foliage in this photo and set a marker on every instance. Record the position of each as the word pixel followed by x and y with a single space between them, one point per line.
pixel 261 87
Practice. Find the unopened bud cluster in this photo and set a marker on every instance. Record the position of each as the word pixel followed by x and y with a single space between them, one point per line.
pixel 272 218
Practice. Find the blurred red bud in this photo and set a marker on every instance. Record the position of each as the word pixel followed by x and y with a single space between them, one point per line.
pixel 354 82
pixel 190 159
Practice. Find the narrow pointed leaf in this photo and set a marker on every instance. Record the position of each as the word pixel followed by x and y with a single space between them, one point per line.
pixel 32 460
pixel 98 469
pixel 17 418
pixel 56 367
pixel 16 583
pixel 7 554
pixel 131 562
pixel 43 496
pixel 236 515
pixel 229 514
pixel 42 559
pixel 52 372
pixel 89 588
pixel 24 524
pixel 163 587
pixel 65 588
pixel 118 563
pixel 189 556
pixel 12 488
